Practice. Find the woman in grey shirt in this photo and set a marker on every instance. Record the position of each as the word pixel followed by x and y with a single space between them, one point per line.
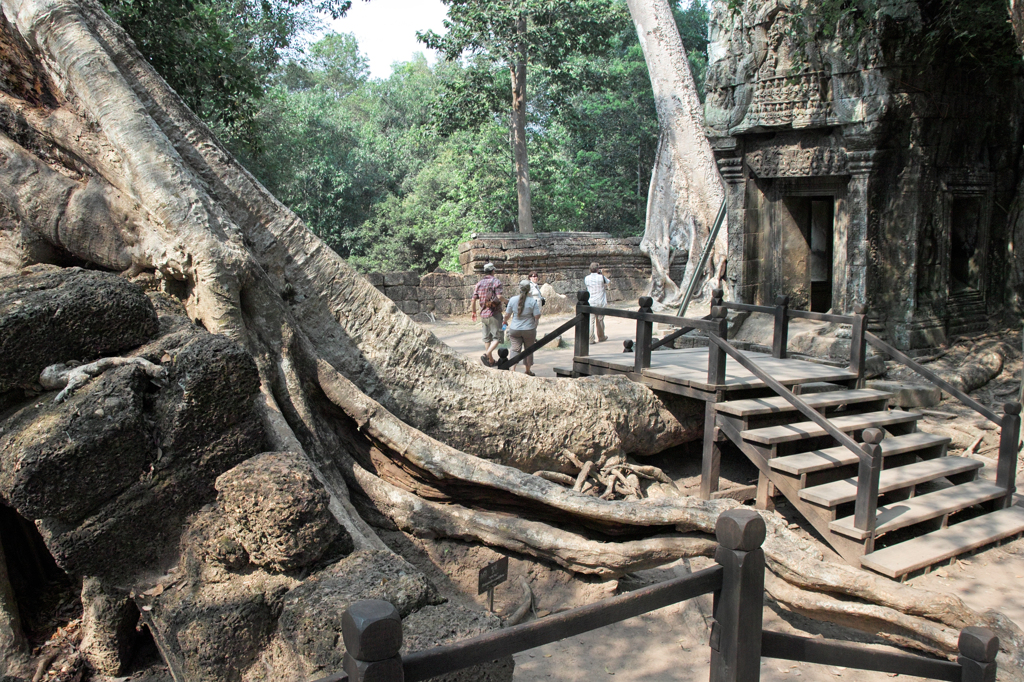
pixel 524 312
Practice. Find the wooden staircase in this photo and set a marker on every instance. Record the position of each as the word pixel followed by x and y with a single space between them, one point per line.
pixel 930 507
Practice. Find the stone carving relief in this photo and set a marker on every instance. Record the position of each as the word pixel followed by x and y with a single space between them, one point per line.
pixel 761 75
pixel 788 162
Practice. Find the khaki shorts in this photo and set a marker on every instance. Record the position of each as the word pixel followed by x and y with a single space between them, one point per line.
pixel 522 338
pixel 492 329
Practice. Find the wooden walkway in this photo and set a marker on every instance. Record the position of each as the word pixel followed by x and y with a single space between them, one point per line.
pixel 685 371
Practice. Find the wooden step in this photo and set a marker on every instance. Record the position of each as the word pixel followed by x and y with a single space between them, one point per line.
pixel 772 435
pixel 922 508
pixel 759 406
pixel 839 492
pixel 947 543
pixel 829 458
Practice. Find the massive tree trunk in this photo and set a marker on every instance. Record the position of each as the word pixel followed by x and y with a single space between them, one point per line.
pixel 101 162
pixel 518 72
pixel 686 189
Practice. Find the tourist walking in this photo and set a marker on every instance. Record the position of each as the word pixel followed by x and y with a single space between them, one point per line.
pixel 524 312
pixel 597 285
pixel 488 292
pixel 535 287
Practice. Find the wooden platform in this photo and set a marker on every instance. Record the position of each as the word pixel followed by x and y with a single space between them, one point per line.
pixel 685 370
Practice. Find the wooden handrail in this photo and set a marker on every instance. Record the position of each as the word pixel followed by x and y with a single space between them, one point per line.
pixel 505 364
pixel 790 397
pixel 821 317
pixel 424 665
pixel 934 378
pixel 701 324
pixel 864 519
pixel 796 648
pixel 748 307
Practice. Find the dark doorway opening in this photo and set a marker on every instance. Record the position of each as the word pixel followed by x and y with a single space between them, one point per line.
pixel 806 233
pixel 819 236
pixel 964 242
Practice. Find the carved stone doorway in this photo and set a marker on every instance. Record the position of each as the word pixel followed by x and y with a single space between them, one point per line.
pixel 804 227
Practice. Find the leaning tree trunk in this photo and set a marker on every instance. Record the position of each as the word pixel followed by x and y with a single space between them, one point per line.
pixel 100 161
pixel 686 189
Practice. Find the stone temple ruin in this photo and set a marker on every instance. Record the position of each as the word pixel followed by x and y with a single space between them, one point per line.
pixel 854 175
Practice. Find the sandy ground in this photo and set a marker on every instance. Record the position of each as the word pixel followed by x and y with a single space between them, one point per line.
pixel 671 643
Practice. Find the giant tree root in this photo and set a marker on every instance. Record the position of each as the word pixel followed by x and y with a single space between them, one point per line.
pixel 801 578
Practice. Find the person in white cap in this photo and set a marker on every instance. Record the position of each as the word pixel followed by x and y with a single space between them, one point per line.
pixel 488 292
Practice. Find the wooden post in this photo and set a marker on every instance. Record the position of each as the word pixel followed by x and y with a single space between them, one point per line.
pixel 644 332
pixel 739 605
pixel 502 358
pixel 1009 436
pixel 978 648
pixel 716 356
pixel 372 631
pixel 581 349
pixel 780 338
pixel 711 463
pixel 858 344
pixel 865 512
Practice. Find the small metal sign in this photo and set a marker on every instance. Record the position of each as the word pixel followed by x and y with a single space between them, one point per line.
pixel 493 575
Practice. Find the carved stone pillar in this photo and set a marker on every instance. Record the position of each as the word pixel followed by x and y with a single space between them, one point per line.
pixel 731 168
pixel 851 246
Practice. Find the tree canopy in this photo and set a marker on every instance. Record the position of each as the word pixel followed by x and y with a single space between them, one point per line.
pixel 393 173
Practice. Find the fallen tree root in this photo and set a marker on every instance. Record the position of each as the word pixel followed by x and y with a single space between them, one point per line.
pixel 524 607
pixel 447 463
pixel 804 580
pixel 71 377
pixel 532 538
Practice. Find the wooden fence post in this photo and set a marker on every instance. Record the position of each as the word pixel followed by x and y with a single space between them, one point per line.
pixel 372 631
pixel 978 648
pixel 581 347
pixel 1009 437
pixel 644 332
pixel 858 344
pixel 780 337
pixel 502 358
pixel 868 472
pixel 739 605
pixel 716 356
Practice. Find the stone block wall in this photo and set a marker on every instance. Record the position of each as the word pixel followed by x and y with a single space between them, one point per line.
pixel 562 260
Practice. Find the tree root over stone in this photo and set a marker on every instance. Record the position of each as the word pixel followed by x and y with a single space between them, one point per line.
pixel 71 377
pixel 801 578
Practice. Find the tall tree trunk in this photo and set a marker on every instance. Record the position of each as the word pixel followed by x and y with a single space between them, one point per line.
pixel 101 161
pixel 518 72
pixel 686 189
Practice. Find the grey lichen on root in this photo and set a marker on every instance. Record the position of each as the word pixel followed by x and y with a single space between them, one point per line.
pixel 70 378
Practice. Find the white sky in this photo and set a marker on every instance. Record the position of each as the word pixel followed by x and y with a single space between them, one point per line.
pixel 386 30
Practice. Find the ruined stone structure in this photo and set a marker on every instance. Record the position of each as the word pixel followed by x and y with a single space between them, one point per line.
pixel 855 172
pixel 561 259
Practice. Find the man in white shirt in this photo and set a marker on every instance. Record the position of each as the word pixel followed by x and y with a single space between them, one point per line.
pixel 597 285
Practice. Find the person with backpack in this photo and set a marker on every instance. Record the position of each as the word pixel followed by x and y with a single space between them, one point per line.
pixel 488 292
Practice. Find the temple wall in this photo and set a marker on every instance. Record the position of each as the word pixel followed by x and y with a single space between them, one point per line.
pixel 915 164
pixel 561 259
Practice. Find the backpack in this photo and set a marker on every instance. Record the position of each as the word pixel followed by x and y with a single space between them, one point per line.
pixel 491 302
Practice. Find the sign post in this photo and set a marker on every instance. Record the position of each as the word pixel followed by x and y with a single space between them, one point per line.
pixel 491 576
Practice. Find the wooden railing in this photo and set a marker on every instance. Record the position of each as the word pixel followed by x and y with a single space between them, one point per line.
pixel 1008 422
pixel 372 630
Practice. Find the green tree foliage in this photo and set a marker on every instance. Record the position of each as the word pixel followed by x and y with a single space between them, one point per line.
pixel 218 55
pixel 394 173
